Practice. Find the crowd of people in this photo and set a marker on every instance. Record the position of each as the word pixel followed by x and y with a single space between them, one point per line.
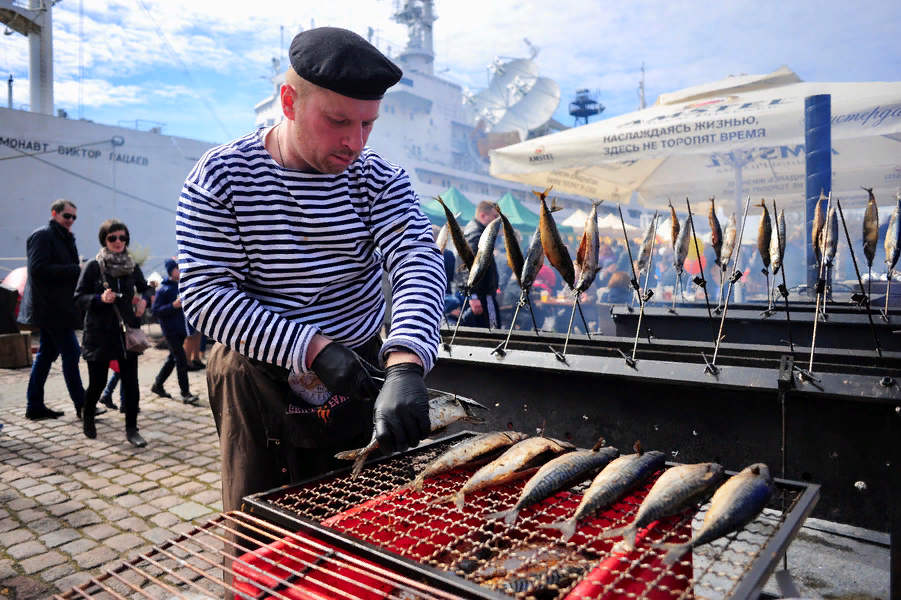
pixel 103 296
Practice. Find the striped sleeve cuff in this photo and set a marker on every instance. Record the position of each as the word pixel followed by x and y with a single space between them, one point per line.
pixel 299 355
pixel 408 345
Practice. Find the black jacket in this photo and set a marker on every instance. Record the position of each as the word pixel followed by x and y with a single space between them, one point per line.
pixel 103 338
pixel 53 271
pixel 487 285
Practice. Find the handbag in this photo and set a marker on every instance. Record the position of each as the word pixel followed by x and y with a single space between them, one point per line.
pixel 135 339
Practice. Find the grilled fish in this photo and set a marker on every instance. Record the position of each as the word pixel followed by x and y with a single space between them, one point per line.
pixel 680 251
pixel 644 255
pixel 732 507
pixel 444 409
pixel 728 242
pixel 535 583
pixel 819 220
pixel 677 488
pixel 764 235
pixel 534 260
pixel 777 243
pixel 616 480
pixel 893 237
pixel 830 235
pixel 486 252
pixel 674 224
pixel 716 232
pixel 443 233
pixel 520 460
pixel 514 253
pixel 587 256
pixel 870 228
pixel 560 473
pixel 456 233
pixel 552 243
pixel 476 450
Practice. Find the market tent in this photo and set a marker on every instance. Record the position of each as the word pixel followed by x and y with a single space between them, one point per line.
pixel 611 226
pixel 516 212
pixel 736 137
pixel 576 220
pixel 456 202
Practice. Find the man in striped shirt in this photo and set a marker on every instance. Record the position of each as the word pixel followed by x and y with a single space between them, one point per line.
pixel 282 236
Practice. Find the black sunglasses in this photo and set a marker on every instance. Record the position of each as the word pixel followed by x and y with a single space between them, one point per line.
pixel 116 238
pixel 69 216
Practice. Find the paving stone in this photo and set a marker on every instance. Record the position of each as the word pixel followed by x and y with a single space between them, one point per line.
pixel 145 510
pixel 62 536
pixel 70 486
pixel 191 487
pixel 16 536
pixel 22 503
pixel 8 525
pixel 157 475
pixel 37 490
pixel 165 519
pixel 78 546
pixel 111 473
pixel 207 497
pixel 44 561
pixel 65 508
pixel 96 557
pixel 101 532
pixel 123 542
pixel 127 479
pixel 129 500
pixel 26 549
pixel 55 479
pixel 25 588
pixel 73 580
pixel 153 494
pixel 83 494
pixel 26 516
pixel 115 513
pixel 144 468
pixel 42 526
pixel 173 481
pixel 144 486
pixel 209 477
pixel 96 483
pixel 158 535
pixel 24 483
pixel 51 498
pixel 133 524
pixel 97 504
pixel 112 491
pixel 58 572
pixel 6 569
pixel 83 518
pixel 11 475
pixel 190 510
pixel 166 502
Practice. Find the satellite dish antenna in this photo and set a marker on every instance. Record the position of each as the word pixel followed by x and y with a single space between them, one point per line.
pixel 533 110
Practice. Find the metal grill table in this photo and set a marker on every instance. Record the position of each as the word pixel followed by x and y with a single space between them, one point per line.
pixel 460 552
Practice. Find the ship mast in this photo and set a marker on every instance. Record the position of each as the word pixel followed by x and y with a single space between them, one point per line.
pixel 418 16
pixel 34 22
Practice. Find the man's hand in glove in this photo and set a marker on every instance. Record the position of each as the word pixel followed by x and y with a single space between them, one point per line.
pixel 402 408
pixel 344 373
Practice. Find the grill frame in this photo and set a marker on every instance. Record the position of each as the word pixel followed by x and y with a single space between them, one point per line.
pixel 748 587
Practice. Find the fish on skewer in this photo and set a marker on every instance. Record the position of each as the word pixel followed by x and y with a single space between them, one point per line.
pixel 560 473
pixel 533 261
pixel 677 488
pixel 729 235
pixel 680 252
pixel 819 221
pixel 485 253
pixel 716 232
pixel 444 233
pixel 777 242
pixel 870 235
pixel 444 408
pixel 764 237
pixel 589 248
pixel 456 233
pixel 477 450
pixel 735 504
pixel 515 258
pixel 554 248
pixel 892 248
pixel 674 225
pixel 644 254
pixel 616 480
pixel 520 460
pixel 830 233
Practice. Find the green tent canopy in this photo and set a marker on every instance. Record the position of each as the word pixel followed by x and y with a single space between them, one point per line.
pixel 455 201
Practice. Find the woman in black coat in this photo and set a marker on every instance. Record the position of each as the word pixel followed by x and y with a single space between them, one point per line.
pixel 111 280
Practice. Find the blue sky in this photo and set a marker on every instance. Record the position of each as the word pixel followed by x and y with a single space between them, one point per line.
pixel 130 74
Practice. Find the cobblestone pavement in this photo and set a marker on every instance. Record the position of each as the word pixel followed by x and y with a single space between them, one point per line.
pixel 70 506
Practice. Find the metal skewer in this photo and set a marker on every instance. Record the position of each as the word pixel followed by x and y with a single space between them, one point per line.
pixel 865 299
pixel 821 289
pixel 466 295
pixel 700 280
pixel 736 275
pixel 783 289
pixel 647 293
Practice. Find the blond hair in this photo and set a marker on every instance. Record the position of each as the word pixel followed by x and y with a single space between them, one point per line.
pixel 303 89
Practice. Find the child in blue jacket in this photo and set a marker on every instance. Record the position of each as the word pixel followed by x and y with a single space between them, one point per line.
pixel 171 317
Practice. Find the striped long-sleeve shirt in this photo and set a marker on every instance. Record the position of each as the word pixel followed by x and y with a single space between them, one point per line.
pixel 271 256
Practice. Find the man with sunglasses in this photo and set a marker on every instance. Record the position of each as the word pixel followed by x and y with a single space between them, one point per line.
pixel 49 303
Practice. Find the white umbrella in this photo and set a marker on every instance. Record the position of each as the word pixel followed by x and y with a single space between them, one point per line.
pixel 742 133
pixel 610 225
pixel 576 220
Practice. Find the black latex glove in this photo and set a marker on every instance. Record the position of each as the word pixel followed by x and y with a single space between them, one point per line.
pixel 344 373
pixel 402 409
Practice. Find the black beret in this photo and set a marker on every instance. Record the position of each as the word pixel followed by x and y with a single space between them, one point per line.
pixel 343 62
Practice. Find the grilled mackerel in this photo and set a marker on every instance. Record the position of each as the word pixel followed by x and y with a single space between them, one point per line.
pixel 716 232
pixel 644 254
pixel 560 473
pixel 474 451
pixel 676 489
pixel 444 409
pixel 534 260
pixel 893 238
pixel 552 243
pixel 819 221
pixel 870 228
pixel 674 224
pixel 728 242
pixel 514 254
pixel 456 233
pixel 681 247
pixel 764 235
pixel 521 460
pixel 732 507
pixel 777 243
pixel 485 253
pixel 616 480
pixel 830 235
pixel 587 256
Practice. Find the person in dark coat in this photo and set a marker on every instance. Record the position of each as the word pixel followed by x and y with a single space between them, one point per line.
pixel 108 282
pixel 483 308
pixel 53 269
pixel 171 317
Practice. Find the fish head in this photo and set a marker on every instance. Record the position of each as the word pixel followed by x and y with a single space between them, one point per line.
pixel 715 472
pixel 515 436
pixel 760 470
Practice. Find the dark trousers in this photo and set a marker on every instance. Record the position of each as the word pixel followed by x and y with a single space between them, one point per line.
pixel 55 343
pixel 177 360
pixel 128 371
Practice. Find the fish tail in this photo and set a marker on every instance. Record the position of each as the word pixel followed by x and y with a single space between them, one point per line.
pixel 509 516
pixel 567 528
pixel 628 534
pixel 358 465
pixel 349 454
pixel 445 499
pixel 459 500
pixel 674 551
